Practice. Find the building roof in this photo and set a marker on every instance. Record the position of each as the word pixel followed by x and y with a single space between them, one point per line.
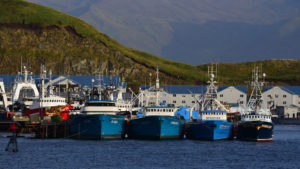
pixel 193 89
pixel 63 80
pixel 240 88
pixel 289 89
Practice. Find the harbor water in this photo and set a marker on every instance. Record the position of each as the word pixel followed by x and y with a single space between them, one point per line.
pixel 283 152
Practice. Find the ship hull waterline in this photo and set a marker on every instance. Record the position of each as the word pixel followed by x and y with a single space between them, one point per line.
pixel 255 131
pixel 209 130
pixel 97 127
pixel 156 128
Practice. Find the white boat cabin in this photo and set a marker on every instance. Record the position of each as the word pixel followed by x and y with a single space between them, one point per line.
pixel 51 101
pixel 256 117
pixel 159 111
pixel 100 107
pixel 213 115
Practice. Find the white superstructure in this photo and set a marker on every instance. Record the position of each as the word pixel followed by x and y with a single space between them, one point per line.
pixel 209 107
pixel 256 109
pixel 47 100
pixel 20 84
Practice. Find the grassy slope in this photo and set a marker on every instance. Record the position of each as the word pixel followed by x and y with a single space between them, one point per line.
pixel 282 72
pixel 29 13
pixel 21 12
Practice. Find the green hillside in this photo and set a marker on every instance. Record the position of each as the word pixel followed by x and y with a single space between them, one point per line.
pixel 62 40
pixel 36 35
pixel 279 72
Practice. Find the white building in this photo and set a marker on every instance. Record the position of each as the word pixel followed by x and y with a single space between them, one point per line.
pixel 187 95
pixel 233 95
pixel 287 97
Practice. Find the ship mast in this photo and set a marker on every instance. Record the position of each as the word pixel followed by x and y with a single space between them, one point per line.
pixel 157 86
pixel 43 77
pixel 211 92
pixel 256 101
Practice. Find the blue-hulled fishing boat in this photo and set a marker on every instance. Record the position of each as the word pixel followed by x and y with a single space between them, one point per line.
pixel 157 121
pixel 103 117
pixel 98 120
pixel 212 121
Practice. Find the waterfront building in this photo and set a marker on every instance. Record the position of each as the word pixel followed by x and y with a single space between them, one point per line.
pixel 187 95
pixel 233 95
pixel 284 100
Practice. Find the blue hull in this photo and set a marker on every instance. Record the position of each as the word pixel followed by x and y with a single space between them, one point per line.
pixel 255 131
pixel 209 130
pixel 97 127
pixel 156 127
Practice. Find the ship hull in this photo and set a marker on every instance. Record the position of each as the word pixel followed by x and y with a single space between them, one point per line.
pixel 97 127
pixel 156 127
pixel 209 130
pixel 255 131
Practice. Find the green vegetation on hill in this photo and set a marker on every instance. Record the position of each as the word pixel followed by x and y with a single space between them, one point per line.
pixel 278 71
pixel 39 35
pixel 83 41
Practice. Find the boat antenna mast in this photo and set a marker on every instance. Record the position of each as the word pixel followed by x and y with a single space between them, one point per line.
pixel 43 77
pixel 208 100
pixel 258 80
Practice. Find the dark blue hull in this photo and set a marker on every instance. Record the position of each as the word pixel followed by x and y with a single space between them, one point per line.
pixel 156 127
pixel 209 130
pixel 97 127
pixel 255 131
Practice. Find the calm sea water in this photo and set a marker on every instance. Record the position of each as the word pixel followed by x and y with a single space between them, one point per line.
pixel 283 152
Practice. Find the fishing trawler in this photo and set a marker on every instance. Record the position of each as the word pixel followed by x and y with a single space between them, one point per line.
pixel 158 121
pixel 256 119
pixel 47 103
pixel 101 117
pixel 212 121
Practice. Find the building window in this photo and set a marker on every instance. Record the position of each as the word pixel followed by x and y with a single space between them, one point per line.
pixel 193 101
pixel 269 95
pixel 241 95
pixel 174 101
pixel 194 95
pixel 284 96
pixel 276 96
pixel 241 102
pixel 221 95
pixel 284 102
pixel 164 101
pixel 174 95
pixel 183 101
pixel 183 95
